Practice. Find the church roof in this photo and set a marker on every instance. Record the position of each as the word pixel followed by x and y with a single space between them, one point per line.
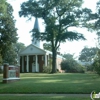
pixel 32 49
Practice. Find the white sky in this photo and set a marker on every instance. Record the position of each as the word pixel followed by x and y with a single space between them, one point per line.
pixel 25 26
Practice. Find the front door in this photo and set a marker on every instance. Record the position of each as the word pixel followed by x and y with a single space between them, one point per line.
pixel 33 67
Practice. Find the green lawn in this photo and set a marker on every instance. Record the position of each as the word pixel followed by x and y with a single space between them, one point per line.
pixel 40 98
pixel 53 83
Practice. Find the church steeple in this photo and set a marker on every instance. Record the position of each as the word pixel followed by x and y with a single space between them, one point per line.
pixel 36 26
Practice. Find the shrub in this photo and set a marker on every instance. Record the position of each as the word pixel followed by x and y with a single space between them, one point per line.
pixel 80 69
pixel 1 71
pixel 96 63
pixel 72 66
pixel 48 69
pixel 90 67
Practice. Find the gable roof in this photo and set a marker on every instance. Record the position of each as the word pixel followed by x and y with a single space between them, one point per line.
pixel 32 50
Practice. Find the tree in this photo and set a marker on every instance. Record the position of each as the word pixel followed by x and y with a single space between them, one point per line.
pixel 3 8
pixel 47 46
pixel 96 64
pixel 0 59
pixel 96 18
pixel 68 56
pixel 58 16
pixel 11 55
pixel 18 47
pixel 70 65
pixel 2 13
pixel 8 34
pixel 88 54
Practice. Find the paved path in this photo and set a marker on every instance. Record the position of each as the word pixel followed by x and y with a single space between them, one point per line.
pixel 67 95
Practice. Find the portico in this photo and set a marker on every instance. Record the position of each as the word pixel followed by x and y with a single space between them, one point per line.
pixel 32 59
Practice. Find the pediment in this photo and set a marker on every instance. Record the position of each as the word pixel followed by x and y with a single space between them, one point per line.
pixel 32 50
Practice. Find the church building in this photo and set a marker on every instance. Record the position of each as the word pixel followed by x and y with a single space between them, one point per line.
pixel 33 58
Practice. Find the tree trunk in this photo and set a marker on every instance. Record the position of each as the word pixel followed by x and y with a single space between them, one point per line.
pixel 54 54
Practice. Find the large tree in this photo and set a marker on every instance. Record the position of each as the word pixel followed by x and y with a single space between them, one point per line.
pixel 2 14
pixel 88 54
pixel 3 8
pixel 68 56
pixel 58 16
pixel 47 46
pixel 11 55
pixel 18 47
pixel 96 63
pixel 96 17
pixel 8 34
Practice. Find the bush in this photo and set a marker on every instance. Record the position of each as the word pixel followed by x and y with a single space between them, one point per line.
pixel 96 63
pixel 1 71
pixel 81 69
pixel 90 68
pixel 48 69
pixel 72 66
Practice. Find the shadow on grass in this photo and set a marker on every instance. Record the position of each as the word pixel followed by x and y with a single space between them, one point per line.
pixel 55 83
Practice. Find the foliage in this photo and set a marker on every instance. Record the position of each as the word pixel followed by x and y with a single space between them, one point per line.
pixel 1 70
pixel 95 17
pixel 89 67
pixel 47 46
pixel 48 69
pixel 96 63
pixel 88 54
pixel 8 34
pixel 11 55
pixel 3 8
pixel 18 47
pixel 68 56
pixel 58 16
pixel 72 66
pixel 0 59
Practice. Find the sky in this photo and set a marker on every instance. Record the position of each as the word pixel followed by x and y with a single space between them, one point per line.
pixel 24 27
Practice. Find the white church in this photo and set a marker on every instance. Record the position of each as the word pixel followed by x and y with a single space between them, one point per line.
pixel 33 58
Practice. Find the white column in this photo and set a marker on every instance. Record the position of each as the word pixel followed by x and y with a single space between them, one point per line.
pixel 36 63
pixel 22 63
pixel 45 60
pixel 27 63
pixel 48 60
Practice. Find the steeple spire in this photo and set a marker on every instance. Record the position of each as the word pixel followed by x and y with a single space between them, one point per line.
pixel 36 26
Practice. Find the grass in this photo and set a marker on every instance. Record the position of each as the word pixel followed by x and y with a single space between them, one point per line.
pixel 40 98
pixel 53 83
